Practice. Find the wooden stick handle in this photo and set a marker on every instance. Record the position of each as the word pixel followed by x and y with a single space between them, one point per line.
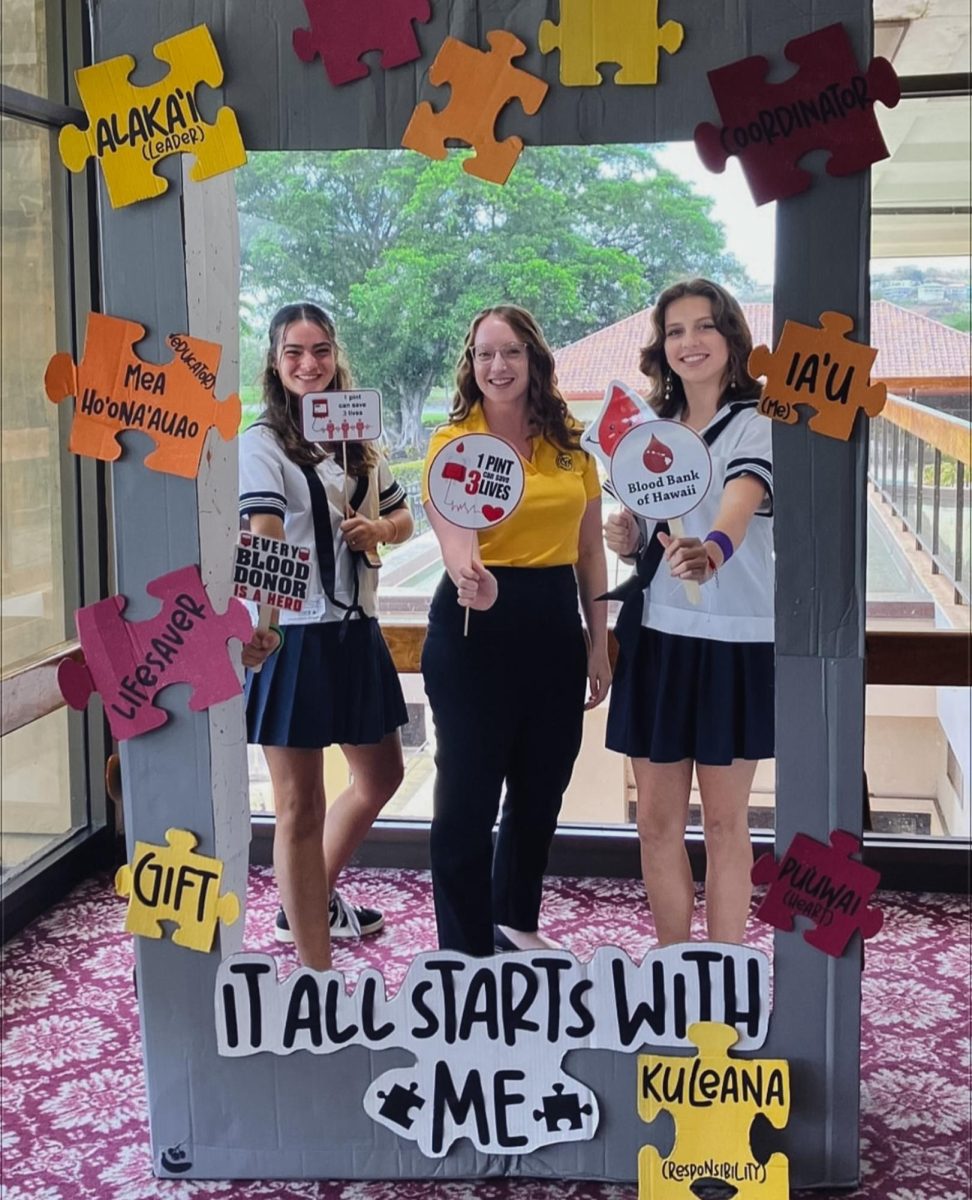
pixel 693 593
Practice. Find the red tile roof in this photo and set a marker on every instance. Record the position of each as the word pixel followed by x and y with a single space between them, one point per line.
pixel 911 347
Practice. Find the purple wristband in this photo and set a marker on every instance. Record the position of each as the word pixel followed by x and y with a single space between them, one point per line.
pixel 722 541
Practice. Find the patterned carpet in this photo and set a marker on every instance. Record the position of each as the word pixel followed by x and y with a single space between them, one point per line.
pixel 73 1105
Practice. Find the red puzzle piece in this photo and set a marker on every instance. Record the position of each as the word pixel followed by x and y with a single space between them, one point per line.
pixel 342 30
pixel 128 662
pixel 824 884
pixel 115 390
pixel 827 105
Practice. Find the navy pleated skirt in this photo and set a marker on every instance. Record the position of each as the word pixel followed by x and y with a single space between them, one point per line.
pixel 683 697
pixel 330 683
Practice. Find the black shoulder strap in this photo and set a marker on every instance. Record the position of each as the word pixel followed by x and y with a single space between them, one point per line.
pixel 324 542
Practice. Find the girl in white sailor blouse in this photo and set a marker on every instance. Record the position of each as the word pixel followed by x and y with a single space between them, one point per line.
pixel 693 685
pixel 327 676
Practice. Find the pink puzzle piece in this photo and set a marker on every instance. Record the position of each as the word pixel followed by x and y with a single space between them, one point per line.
pixel 824 884
pixel 342 30
pixel 128 662
pixel 828 104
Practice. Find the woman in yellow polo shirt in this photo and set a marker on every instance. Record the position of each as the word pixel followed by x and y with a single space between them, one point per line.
pixel 508 699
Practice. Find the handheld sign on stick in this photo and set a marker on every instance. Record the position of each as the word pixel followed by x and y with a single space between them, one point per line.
pixel 272 574
pixel 343 417
pixel 621 409
pixel 475 482
pixel 661 470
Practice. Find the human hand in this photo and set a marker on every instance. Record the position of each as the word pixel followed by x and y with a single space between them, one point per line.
pixel 598 676
pixel 621 533
pixel 261 645
pixel 477 587
pixel 687 558
pixel 361 534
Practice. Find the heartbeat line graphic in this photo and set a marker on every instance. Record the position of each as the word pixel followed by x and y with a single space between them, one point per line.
pixel 464 507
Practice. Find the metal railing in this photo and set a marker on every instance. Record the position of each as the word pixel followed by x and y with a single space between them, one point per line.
pixel 919 462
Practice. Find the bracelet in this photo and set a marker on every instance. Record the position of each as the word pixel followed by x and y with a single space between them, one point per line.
pixel 280 634
pixel 722 541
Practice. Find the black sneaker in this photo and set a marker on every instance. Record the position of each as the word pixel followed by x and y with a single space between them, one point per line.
pixel 347 921
pixel 281 928
pixel 350 920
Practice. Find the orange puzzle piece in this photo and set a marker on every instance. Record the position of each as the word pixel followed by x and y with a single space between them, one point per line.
pixel 820 367
pixel 115 390
pixel 482 84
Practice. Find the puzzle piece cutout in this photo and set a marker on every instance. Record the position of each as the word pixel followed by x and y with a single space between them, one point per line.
pixel 713 1100
pixel 115 390
pixel 592 32
pixel 131 127
pixel 129 662
pixel 397 1104
pixel 824 884
pixel 828 104
pixel 343 30
pixel 172 883
pixel 482 85
pixel 822 368
pixel 558 1107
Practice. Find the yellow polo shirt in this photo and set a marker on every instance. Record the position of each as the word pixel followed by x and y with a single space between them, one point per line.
pixel 543 530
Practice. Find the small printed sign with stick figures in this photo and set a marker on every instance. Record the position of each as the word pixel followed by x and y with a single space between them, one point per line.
pixel 343 417
pixel 661 470
pixel 476 482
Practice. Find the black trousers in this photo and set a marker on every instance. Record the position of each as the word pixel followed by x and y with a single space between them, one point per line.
pixel 508 707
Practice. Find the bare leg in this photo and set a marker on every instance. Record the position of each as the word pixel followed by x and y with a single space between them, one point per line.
pixel 376 772
pixel 663 799
pixel 728 850
pixel 298 857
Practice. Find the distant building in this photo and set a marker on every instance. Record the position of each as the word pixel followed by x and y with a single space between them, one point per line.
pixel 914 351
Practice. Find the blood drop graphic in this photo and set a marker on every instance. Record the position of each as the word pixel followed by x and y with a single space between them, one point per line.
pixel 658 457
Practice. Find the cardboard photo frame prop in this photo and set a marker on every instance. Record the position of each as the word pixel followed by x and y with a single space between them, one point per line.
pixel 161 523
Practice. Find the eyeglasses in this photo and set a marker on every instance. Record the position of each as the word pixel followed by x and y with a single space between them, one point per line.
pixel 511 352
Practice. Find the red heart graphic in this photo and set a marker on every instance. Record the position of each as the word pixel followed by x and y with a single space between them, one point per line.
pixel 492 513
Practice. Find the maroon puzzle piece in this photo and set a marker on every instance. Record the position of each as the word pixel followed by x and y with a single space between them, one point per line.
pixel 824 884
pixel 342 30
pixel 128 662
pixel 828 104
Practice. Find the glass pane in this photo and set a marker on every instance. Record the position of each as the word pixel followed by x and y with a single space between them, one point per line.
pixel 23 59
pixel 32 600
pixel 35 792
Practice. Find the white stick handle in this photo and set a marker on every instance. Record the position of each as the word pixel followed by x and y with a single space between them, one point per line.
pixel 693 593
pixel 473 547
pixel 266 611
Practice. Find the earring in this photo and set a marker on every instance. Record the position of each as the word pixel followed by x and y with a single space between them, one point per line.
pixel 668 386
pixel 732 380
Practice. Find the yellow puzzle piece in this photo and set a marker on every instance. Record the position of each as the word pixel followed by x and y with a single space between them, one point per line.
pixel 820 367
pixel 171 883
pixel 130 128
pixel 713 1099
pixel 625 32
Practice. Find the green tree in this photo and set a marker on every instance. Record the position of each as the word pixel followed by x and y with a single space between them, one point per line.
pixel 405 250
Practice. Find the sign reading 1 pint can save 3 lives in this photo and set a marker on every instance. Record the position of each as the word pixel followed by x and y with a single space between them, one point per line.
pixel 270 573
pixel 341 416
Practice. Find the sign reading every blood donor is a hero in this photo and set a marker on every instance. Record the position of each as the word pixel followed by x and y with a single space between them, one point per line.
pixel 341 416
pixel 476 481
pixel 271 573
pixel 661 470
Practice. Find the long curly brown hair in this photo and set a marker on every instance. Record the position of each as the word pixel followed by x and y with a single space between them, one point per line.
pixel 281 409
pixel 546 408
pixel 730 322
